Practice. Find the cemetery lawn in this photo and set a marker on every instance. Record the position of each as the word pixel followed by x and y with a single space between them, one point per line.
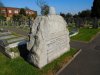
pixel 85 34
pixel 19 66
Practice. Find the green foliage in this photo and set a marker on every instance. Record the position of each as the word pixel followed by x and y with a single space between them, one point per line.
pixel 96 9
pixel 2 17
pixel 45 10
pixel 63 15
pixel 20 17
pixel 19 66
pixel 85 13
pixel 68 15
pixel 22 12
pixel 14 49
pixel 16 17
pixel 75 16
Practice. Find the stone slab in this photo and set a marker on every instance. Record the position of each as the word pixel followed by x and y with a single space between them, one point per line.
pixel 16 44
pixel 16 39
pixel 7 37
pixel 5 33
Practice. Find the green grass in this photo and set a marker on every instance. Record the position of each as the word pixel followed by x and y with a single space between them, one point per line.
pixel 85 34
pixel 14 49
pixel 20 67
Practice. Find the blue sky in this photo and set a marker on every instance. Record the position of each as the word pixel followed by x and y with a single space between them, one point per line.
pixel 65 6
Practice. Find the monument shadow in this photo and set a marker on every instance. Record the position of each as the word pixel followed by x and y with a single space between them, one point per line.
pixel 23 51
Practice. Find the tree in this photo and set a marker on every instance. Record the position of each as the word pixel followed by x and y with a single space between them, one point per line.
pixel 69 15
pixel 43 6
pixel 63 15
pixel 2 17
pixel 75 16
pixel 16 17
pixel 85 13
pixel 45 10
pixel 22 12
pixel 95 23
pixel 96 9
pixel 41 3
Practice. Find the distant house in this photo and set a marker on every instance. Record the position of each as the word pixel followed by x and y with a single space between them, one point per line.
pixel 10 11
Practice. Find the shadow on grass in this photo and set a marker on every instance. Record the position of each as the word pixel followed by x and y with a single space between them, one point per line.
pixel 24 53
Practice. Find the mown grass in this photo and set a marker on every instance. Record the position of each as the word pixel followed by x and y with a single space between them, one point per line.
pixel 19 66
pixel 85 34
pixel 14 49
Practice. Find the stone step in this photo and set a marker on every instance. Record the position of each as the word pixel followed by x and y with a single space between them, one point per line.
pixel 7 37
pixel 5 33
pixel 16 44
pixel 15 40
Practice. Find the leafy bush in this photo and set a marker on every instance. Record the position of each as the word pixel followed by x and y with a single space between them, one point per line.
pixel 2 17
pixel 45 10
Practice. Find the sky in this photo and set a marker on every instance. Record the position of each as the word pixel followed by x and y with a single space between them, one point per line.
pixel 64 6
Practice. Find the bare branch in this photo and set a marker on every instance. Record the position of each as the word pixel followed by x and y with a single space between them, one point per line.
pixel 40 3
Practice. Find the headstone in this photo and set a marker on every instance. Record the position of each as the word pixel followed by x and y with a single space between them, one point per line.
pixel 49 39
pixel 95 23
pixel 3 43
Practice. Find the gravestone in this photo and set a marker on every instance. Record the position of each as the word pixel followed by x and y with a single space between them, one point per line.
pixel 8 41
pixel 95 23
pixel 7 37
pixel 49 39
pixel 16 39
pixel 5 33
pixel 3 43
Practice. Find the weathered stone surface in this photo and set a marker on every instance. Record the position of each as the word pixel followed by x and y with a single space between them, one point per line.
pixel 49 40
pixel 3 43
pixel 52 11
pixel 16 44
pixel 10 54
pixel 16 39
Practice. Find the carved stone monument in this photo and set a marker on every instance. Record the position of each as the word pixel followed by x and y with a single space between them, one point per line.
pixel 49 39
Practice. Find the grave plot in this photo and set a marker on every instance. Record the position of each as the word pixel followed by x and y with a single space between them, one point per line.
pixel 9 43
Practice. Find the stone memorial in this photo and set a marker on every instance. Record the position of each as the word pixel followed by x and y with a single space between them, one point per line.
pixel 9 41
pixel 49 39
pixel 3 43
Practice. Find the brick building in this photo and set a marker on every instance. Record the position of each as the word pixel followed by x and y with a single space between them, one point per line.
pixel 10 11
